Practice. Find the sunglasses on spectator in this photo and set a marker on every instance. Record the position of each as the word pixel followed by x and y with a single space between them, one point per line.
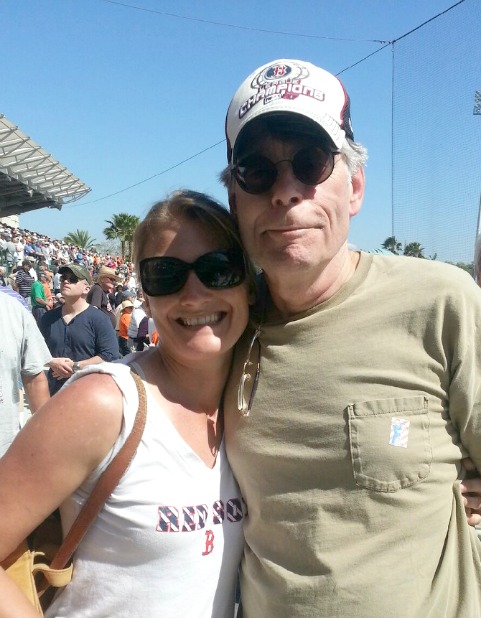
pixel 71 278
pixel 161 276
pixel 257 174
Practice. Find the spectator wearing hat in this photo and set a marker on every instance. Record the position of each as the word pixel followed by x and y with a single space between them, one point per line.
pixel 76 333
pixel 138 328
pixel 99 292
pixel 118 296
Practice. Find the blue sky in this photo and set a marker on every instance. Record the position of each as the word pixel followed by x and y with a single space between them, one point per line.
pixel 121 94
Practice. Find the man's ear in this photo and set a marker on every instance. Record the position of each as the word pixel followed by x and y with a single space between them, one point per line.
pixel 358 181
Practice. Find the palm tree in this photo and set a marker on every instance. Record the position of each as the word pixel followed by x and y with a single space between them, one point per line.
pixel 414 249
pixel 80 238
pixel 392 244
pixel 122 227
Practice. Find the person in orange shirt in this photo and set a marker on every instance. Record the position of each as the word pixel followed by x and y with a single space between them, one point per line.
pixel 47 281
pixel 125 315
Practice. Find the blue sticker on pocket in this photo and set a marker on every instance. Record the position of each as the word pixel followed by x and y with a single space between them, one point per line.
pixel 399 432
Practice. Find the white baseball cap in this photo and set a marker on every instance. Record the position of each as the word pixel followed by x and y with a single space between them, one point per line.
pixel 290 86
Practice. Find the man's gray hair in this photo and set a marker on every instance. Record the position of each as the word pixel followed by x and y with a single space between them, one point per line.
pixel 354 155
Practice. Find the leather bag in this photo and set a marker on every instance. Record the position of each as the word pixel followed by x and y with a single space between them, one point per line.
pixel 42 563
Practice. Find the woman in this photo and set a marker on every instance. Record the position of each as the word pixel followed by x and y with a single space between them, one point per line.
pixel 168 541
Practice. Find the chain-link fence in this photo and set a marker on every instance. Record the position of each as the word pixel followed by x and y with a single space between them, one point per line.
pixel 437 134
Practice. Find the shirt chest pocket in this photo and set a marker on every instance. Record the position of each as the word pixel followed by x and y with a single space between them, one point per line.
pixel 390 442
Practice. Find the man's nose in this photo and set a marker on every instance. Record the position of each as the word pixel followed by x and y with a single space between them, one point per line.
pixel 287 190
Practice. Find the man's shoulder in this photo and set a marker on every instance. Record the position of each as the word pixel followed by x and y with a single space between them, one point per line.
pixel 425 280
pixel 95 316
pixel 406 266
pixel 9 301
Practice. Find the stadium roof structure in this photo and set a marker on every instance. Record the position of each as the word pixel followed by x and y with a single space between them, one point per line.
pixel 31 178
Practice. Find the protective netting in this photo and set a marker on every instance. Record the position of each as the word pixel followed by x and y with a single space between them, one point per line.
pixel 436 136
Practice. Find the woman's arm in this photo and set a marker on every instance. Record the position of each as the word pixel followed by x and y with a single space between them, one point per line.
pixel 53 454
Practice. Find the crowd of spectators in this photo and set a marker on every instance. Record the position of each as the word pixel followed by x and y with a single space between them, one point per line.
pixel 46 254
pixel 17 245
pixel 30 263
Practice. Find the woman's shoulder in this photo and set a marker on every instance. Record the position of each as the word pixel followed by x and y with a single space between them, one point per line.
pixel 93 392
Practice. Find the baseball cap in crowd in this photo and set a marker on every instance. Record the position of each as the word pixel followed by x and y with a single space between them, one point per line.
pixel 293 87
pixel 79 271
pixel 128 294
pixel 105 271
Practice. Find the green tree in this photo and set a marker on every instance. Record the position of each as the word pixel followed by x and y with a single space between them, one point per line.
pixel 122 227
pixel 414 249
pixel 392 244
pixel 468 267
pixel 80 238
pixel 108 247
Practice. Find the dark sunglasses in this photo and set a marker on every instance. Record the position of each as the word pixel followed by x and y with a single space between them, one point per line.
pixel 221 269
pixel 257 174
pixel 70 278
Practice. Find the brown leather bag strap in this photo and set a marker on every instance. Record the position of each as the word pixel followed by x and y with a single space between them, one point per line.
pixel 105 485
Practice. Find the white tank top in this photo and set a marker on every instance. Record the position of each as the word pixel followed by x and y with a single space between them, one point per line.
pixel 170 538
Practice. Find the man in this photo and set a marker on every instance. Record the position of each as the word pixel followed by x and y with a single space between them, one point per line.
pixel 76 333
pixel 7 245
pixel 56 281
pixel 118 299
pixel 19 249
pixel 99 293
pixel 28 249
pixel 38 298
pixel 14 294
pixel 24 280
pixel 360 392
pixel 23 353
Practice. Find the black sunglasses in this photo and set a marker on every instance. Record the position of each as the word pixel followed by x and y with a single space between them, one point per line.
pixel 164 275
pixel 257 174
pixel 71 278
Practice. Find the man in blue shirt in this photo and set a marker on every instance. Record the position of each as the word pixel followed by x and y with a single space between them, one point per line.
pixel 76 333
